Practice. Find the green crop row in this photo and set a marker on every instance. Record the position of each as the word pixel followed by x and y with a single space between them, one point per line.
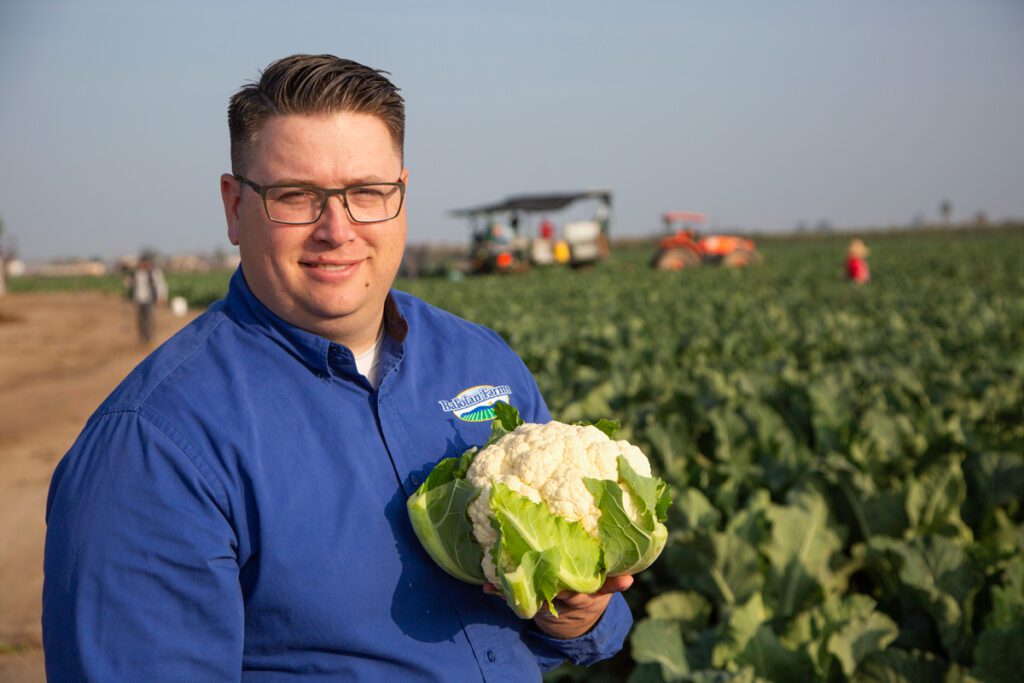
pixel 847 462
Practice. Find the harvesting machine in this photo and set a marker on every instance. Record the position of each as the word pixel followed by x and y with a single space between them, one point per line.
pixel 684 247
pixel 499 240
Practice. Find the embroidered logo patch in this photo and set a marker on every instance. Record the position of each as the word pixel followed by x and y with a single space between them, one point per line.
pixel 476 404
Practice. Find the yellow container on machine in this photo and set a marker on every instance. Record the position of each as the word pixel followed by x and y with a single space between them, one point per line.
pixel 562 254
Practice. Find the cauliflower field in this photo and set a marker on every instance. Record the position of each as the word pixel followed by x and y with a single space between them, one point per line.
pixel 846 463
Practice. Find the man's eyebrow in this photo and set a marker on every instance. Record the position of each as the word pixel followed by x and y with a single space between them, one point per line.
pixel 305 182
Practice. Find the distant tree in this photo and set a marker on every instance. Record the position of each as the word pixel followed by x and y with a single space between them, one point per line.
pixel 945 210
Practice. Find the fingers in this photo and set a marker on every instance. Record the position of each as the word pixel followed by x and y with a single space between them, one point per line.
pixel 616 584
pixel 581 601
pixel 613 584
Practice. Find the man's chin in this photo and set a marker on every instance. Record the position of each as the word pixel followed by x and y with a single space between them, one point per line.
pixel 327 313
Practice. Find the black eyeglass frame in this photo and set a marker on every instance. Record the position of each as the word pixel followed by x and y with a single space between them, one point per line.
pixel 328 193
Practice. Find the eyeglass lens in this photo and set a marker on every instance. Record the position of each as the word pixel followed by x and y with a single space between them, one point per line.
pixel 366 203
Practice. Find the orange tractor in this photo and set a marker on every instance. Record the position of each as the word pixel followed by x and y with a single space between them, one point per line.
pixel 683 246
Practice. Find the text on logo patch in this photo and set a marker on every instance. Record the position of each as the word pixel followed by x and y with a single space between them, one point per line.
pixel 476 404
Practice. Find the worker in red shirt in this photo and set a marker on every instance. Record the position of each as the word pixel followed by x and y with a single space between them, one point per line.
pixel 547 229
pixel 857 270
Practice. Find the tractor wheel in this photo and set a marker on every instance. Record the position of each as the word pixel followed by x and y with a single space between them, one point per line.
pixel 739 259
pixel 676 258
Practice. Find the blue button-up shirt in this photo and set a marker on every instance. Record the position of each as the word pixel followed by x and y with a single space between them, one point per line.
pixel 236 510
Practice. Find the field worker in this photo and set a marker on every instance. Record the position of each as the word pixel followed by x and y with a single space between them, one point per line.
pixel 857 262
pixel 546 230
pixel 147 288
pixel 236 509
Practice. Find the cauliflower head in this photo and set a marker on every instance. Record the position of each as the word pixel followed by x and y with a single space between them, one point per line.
pixel 542 508
pixel 548 463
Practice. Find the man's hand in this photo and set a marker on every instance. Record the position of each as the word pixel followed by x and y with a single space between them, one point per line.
pixel 577 612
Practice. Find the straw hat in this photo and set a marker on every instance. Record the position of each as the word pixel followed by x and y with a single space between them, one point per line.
pixel 858 248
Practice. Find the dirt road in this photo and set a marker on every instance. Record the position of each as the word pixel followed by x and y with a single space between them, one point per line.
pixel 60 355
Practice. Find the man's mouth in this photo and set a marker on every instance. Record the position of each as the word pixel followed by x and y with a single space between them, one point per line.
pixel 333 271
pixel 331 266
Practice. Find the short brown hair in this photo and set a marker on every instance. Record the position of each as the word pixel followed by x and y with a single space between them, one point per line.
pixel 311 84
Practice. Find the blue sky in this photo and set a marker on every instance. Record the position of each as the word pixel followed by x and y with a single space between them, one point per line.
pixel 763 114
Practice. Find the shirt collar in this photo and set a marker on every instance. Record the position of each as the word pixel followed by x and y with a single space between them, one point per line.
pixel 320 354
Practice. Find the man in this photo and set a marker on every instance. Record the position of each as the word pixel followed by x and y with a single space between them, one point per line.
pixel 236 509
pixel 146 288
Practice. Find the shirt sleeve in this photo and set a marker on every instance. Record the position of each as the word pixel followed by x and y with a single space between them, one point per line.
pixel 141 576
pixel 601 642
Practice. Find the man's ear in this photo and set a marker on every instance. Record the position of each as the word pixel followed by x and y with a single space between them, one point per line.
pixel 230 194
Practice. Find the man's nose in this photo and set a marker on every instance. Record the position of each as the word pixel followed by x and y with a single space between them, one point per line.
pixel 335 225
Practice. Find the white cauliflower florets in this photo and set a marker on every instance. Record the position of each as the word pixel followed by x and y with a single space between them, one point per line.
pixel 548 463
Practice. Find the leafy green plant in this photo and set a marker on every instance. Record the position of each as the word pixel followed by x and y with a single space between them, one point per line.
pixel 847 463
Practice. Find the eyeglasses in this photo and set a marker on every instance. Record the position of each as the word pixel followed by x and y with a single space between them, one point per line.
pixel 304 204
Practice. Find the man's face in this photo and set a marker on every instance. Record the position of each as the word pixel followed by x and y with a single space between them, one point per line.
pixel 330 277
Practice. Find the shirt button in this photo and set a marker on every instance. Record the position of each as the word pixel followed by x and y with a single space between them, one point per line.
pixel 491 656
pixel 415 479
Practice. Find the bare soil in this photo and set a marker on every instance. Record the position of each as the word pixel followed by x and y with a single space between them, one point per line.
pixel 60 355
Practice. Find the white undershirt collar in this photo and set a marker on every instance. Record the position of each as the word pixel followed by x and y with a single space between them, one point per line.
pixel 366 362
